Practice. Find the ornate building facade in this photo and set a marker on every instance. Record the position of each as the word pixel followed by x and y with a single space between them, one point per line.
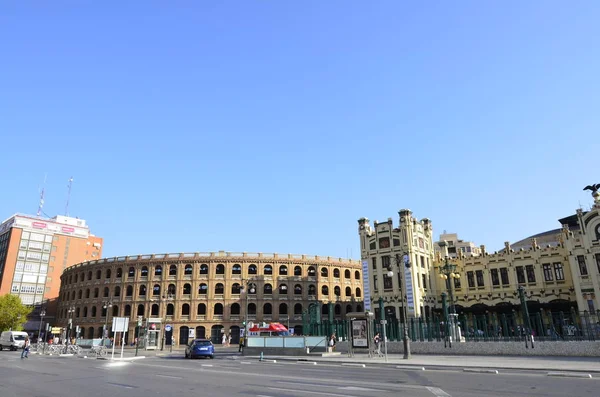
pixel 205 294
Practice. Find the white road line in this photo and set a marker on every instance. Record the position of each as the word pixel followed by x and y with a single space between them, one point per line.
pixel 438 392
pixel 169 376
pixel 481 371
pixel 120 385
pixel 354 365
pixel 409 368
pixel 570 374
pixel 307 392
pixel 206 365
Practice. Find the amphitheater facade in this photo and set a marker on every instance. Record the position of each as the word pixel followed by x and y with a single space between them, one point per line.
pixel 185 295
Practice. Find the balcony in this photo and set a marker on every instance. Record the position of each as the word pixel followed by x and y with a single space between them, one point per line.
pixel 217 317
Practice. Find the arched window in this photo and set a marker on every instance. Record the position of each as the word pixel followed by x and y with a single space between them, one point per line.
pixel 235 289
pixel 158 270
pixel 357 293
pixel 108 273
pixel 357 275
pixel 219 309
pixel 172 270
pixel 347 274
pixel 117 291
pixel 87 293
pixel 219 289
pixel 90 275
pixel 298 308
pixel 98 274
pixel 297 289
pixel 267 289
pixel 325 290
pixel 127 311
pixel 154 309
pixel 252 309
pixel 188 270
pixel 115 311
pixel 204 268
pixel 267 309
pixel 73 295
pixel 348 308
pixel 359 308
pixel 142 290
pixel 324 310
pixel 185 309
pixel 171 290
pixel 129 291
pixel 338 310
pixel 156 290
pixel 298 271
pixel 324 272
pixel 202 289
pixel 94 311
pixel 76 277
pixel 106 292
pixel 187 289
pixel 85 311
pixel 131 272
pixel 336 273
pixel 283 270
pixel 348 291
pixel 268 270
pixel 119 272
pixel 236 269
pixel 337 291
pixel 170 309
pixel 220 269
pixel 80 294
pixel 235 309
pixel 283 309
pixel 144 272
pixel 283 290
pixel 201 309
pixel 311 271
pixel 312 290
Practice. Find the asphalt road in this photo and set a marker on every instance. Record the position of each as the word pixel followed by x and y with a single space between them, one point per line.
pixel 231 375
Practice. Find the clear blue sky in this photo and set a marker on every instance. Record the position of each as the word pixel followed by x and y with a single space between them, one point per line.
pixel 273 126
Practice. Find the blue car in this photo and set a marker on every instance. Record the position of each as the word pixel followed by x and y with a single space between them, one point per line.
pixel 200 348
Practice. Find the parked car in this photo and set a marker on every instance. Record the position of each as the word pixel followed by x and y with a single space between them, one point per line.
pixel 12 340
pixel 200 348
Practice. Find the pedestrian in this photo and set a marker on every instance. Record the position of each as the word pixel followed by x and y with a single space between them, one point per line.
pixel 377 342
pixel 332 342
pixel 228 340
pixel 224 340
pixel 241 347
pixel 26 344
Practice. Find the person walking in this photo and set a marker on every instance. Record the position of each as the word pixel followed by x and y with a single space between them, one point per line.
pixel 332 342
pixel 26 344
pixel 377 342
pixel 224 340
pixel 241 347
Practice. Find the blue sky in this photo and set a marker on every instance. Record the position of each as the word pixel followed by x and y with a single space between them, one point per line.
pixel 271 126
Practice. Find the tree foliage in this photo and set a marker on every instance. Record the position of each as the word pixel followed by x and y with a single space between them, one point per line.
pixel 13 313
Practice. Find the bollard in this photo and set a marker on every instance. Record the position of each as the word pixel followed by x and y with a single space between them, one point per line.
pixel 261 356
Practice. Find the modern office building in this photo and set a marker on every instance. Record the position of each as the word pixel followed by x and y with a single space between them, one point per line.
pixel 454 245
pixel 205 294
pixel 34 252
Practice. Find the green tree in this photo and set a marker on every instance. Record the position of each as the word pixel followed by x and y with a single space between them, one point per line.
pixel 13 313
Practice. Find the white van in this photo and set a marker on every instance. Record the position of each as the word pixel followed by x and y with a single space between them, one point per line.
pixel 12 340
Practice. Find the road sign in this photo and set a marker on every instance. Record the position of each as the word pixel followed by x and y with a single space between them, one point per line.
pixel 192 333
pixel 120 324
pixel 55 330
pixel 168 327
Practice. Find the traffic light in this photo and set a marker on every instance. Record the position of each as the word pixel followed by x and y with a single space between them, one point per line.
pixel 243 323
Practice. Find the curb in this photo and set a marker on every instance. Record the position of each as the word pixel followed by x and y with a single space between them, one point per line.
pixel 481 371
pixel 570 375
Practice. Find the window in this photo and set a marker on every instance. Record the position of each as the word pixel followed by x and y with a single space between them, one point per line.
pixel 158 270
pixel 547 272
pixel 252 269
pixel 283 309
pixel 201 309
pixel 15 288
pixel 203 268
pixel 187 270
pixel 156 290
pixel 235 309
pixel 298 308
pixel 235 289
pixel 297 289
pixel 385 261
pixel 384 242
pixel 129 291
pixel 98 274
pixel 372 245
pixel 283 270
pixel 236 269
pixel 357 275
pixel 144 272
pixel 422 261
pixel 267 289
pixel 336 273
pixel 387 283
pixel 172 271
pixel 559 271
pixel 471 279
pixel 424 276
pixel 267 309
pixel 375 286
pixel 358 293
pixel 219 289
pixel 348 291
pixel 324 272
pixel 530 273
pixel 117 291
pixel 325 290
pixel 457 283
pixel 187 289
pixel 283 289
pixel 504 275
pixel 312 272
pixel 202 288
pixel 312 290
pixel 374 263
pixel 520 274
pixel 185 309
pixel 598 262
pixel 347 274
pixel 580 261
pixel 297 271
pixel 131 272
pixel 396 242
pixel 495 278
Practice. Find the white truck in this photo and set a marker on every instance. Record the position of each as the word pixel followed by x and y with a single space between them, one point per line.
pixel 12 340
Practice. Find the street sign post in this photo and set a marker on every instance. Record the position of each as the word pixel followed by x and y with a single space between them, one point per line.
pixel 120 324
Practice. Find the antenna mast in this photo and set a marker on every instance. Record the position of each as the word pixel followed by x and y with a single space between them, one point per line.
pixel 41 204
pixel 68 196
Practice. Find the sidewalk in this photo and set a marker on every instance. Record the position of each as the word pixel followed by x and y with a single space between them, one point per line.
pixel 574 364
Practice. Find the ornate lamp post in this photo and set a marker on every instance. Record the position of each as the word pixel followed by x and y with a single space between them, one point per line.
pixel 166 298
pixel 405 260
pixel 70 312
pixel 448 272
pixel 106 305
pixel 42 315
pixel 249 288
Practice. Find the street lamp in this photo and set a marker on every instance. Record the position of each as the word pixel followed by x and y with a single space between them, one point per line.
pixel 405 259
pixel 42 315
pixel 70 312
pixel 448 272
pixel 249 288
pixel 169 297
pixel 106 305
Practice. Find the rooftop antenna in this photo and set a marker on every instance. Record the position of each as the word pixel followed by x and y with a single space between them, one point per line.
pixel 41 204
pixel 68 196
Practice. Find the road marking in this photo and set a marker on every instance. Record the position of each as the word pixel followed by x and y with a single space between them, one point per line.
pixel 570 374
pixel 307 362
pixel 122 385
pixel 408 367
pixel 354 365
pixel 355 388
pixel 245 362
pixel 206 365
pixel 307 392
pixel 438 392
pixel 481 371
pixel 169 376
